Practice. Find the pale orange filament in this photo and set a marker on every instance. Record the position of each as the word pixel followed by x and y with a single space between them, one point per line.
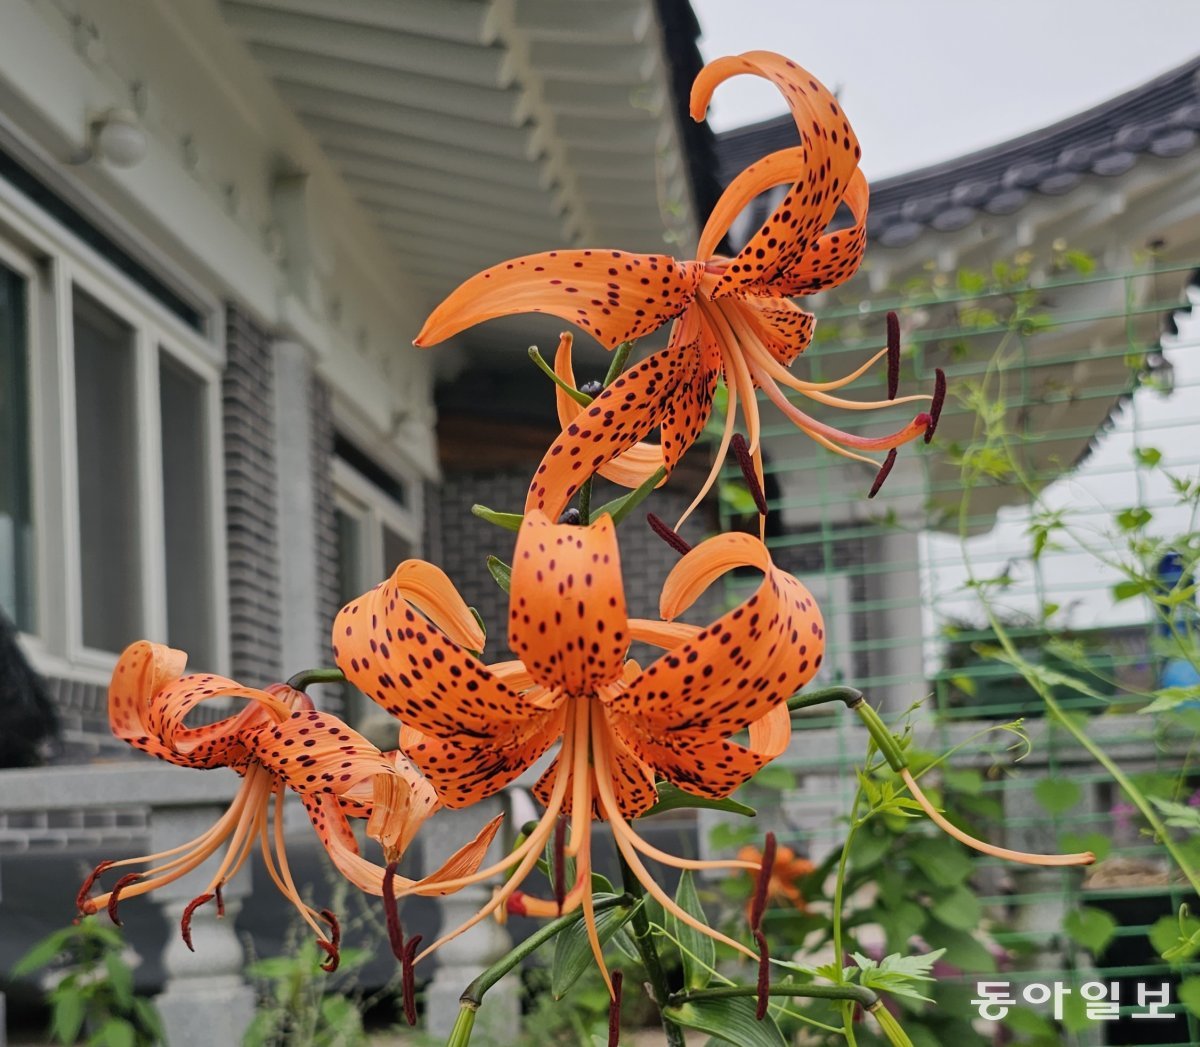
pixel 1079 858
pixel 731 387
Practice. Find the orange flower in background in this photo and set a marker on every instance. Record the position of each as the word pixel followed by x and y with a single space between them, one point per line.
pixel 474 728
pixel 733 316
pixel 785 872
pixel 277 742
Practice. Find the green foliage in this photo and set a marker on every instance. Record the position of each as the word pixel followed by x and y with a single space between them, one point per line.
pixel 732 1022
pixel 92 1000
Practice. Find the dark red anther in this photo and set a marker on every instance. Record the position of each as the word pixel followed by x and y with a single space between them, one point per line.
pixel 893 351
pixel 390 914
pixel 935 408
pixel 560 863
pixel 185 921
pixel 741 451
pixel 220 902
pixel 332 947
pixel 882 475
pixel 667 535
pixel 614 1010
pixel 764 881
pixel 408 980
pixel 86 889
pixel 764 975
pixel 115 898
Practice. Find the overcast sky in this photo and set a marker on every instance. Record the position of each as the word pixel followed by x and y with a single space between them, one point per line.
pixel 926 80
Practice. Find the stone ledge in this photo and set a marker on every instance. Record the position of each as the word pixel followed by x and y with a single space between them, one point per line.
pixel 124 784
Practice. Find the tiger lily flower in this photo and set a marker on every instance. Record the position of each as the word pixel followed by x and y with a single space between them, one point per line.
pixel 733 317
pixel 277 742
pixel 786 869
pixel 474 728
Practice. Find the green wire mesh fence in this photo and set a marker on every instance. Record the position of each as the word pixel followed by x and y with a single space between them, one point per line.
pixel 1057 509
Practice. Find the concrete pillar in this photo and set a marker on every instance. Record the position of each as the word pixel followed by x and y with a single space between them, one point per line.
pixel 896 632
pixel 205 1000
pixel 470 954
pixel 300 592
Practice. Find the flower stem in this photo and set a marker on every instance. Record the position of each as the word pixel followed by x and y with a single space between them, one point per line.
pixel 643 940
pixel 854 993
pixel 308 677
pixel 585 502
pixel 620 356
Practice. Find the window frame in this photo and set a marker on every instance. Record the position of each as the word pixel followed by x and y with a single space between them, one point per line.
pixel 55 262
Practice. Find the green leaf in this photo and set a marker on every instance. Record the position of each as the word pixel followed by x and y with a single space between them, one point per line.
pixel 964 951
pixel 116 1032
pixel 775 777
pixel 731 1020
pixel 1189 994
pixel 1090 927
pixel 1169 698
pixel 1056 795
pixel 1134 519
pixel 508 521
pixel 671 797
pixel 500 572
pixel 573 952
pixel 619 508
pixel 120 979
pixel 1128 589
pixel 1178 815
pixel 67 1018
pixel 43 953
pixel 942 860
pixel 1099 844
pixel 1147 456
pixel 958 908
pixel 698 950
pixel 896 974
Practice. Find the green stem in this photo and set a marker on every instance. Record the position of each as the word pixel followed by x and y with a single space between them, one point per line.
pixel 580 398
pixel 839 892
pixel 473 994
pixel 643 940
pixel 851 696
pixel 460 1035
pixel 620 356
pixel 854 993
pixel 311 676
pixel 585 502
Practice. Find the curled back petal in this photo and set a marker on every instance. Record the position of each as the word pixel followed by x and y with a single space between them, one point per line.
pixel 148 702
pixel 784 329
pixel 463 862
pixel 690 406
pixel 567 619
pixel 428 588
pixel 630 468
pixel 782 167
pixel 832 153
pixel 614 296
pixel 836 256
pixel 412 670
pixel 620 416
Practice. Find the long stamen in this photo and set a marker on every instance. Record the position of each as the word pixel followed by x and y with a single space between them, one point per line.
pixel 659 527
pixel 884 472
pixel 614 1010
pixel 333 946
pixel 764 974
pixel 185 921
pixel 560 860
pixel 893 351
pixel 742 452
pixel 581 800
pixel 612 812
pixel 285 871
pixel 935 409
pixel 1078 858
pixel 114 897
pixel 763 881
pixel 731 387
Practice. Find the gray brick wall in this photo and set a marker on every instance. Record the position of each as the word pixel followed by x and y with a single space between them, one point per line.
pixel 251 502
pixel 460 543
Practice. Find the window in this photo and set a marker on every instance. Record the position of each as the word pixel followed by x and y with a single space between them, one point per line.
pixel 16 494
pixel 378 527
pixel 110 492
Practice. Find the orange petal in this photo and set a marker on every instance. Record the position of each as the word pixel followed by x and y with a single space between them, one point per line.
pixel 691 404
pixel 428 587
pixel 836 256
pixel 410 668
pixel 625 412
pixel 832 153
pixel 667 635
pixel 462 862
pixel 779 168
pixel 784 329
pixel 466 771
pixel 567 618
pixel 631 468
pixel 769 735
pixel 735 671
pixel 614 296
pixel 712 768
